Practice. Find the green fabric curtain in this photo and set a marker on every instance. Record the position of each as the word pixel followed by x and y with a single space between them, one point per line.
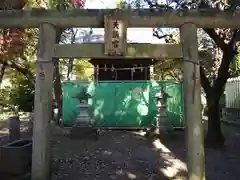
pixel 123 104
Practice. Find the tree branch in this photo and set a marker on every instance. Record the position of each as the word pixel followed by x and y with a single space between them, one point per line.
pixel 156 34
pixel 2 72
pixel 6 4
pixel 223 73
pixel 150 3
pixel 228 55
pixel 234 39
pixel 204 81
pixel 217 39
pixel 20 69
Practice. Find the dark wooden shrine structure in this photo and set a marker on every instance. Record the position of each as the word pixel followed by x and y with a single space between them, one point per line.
pixel 122 69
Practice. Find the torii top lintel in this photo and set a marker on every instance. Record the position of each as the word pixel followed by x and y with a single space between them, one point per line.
pixel 205 18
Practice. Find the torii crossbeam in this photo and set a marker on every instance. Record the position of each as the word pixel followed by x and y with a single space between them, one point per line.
pixel 204 18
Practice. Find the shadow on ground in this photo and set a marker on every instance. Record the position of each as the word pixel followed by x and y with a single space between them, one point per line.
pixel 130 155
pixel 116 155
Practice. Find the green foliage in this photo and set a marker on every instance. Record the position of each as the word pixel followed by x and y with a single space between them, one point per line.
pixel 234 69
pixel 21 93
pixel 4 97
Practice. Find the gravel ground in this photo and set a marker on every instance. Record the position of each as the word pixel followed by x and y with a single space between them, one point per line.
pixel 129 155
pixel 223 164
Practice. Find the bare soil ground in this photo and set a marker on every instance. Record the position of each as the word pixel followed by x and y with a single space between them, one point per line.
pixel 129 155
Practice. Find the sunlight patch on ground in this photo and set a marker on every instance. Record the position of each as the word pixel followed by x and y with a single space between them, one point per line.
pixel 158 145
pixel 141 133
pixel 174 165
pixel 126 173
pixel 131 175
pixel 5 116
pixel 4 131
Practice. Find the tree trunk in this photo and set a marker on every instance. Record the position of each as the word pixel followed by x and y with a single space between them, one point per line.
pixel 2 72
pixel 57 80
pixel 70 68
pixel 58 90
pixel 214 137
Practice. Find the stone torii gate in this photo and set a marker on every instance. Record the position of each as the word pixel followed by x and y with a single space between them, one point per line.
pixel 47 20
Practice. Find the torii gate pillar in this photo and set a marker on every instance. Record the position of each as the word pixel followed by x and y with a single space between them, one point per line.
pixel 43 103
pixel 192 102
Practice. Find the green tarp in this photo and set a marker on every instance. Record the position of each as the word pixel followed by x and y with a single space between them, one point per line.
pixel 122 104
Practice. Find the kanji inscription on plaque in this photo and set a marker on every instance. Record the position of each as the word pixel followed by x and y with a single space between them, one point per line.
pixel 115 37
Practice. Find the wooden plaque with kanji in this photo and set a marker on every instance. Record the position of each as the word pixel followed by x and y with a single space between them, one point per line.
pixel 115 36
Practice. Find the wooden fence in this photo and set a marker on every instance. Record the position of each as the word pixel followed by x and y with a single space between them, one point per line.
pixel 231 112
